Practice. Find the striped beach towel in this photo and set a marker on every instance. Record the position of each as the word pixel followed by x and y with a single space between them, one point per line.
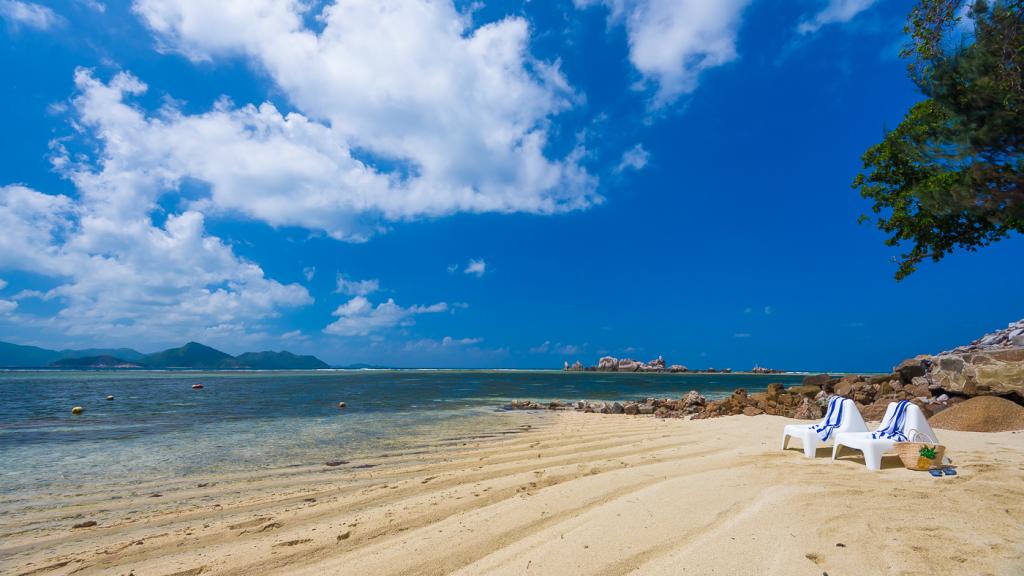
pixel 833 418
pixel 892 429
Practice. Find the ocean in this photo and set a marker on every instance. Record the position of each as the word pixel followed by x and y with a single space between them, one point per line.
pixel 158 427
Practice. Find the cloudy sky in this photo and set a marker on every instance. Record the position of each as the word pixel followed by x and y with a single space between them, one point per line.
pixel 429 183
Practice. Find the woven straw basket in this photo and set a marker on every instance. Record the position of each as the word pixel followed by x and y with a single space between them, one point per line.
pixel 910 452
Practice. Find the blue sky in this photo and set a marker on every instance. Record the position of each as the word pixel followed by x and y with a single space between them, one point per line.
pixel 496 184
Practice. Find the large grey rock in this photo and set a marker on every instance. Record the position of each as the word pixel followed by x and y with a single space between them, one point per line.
pixel 808 410
pixel 608 364
pixel 911 368
pixel 693 398
pixel 818 380
pixel 999 372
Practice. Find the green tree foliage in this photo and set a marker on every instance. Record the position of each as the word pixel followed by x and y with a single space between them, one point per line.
pixel 950 175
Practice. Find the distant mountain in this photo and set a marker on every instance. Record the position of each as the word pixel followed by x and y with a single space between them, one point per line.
pixel 17 356
pixel 191 355
pixel 122 353
pixel 279 361
pixel 94 362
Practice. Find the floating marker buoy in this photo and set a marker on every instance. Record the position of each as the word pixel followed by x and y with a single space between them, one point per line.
pixel 341 404
pixel 77 410
pixel 110 397
pixel 197 386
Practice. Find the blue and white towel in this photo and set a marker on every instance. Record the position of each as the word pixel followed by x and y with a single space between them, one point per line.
pixel 893 428
pixel 833 418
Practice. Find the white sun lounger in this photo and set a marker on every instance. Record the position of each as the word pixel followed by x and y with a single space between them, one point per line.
pixel 842 416
pixel 902 421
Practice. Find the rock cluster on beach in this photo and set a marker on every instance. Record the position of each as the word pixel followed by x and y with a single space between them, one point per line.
pixel 992 365
pixel 691 403
pixel 806 401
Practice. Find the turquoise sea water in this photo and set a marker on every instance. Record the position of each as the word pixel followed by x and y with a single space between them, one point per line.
pixel 159 427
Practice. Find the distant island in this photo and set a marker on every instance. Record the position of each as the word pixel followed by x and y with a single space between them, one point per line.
pixel 613 364
pixel 190 356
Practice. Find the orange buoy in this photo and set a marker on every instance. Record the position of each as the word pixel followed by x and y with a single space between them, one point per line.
pixel 341 404
pixel 77 410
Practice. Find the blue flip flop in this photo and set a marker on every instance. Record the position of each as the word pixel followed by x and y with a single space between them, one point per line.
pixel 935 472
pixel 949 471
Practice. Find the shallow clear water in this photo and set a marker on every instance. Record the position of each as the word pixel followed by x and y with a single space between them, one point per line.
pixel 158 426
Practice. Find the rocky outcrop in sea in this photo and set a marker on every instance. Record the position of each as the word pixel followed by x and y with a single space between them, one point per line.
pixel 613 364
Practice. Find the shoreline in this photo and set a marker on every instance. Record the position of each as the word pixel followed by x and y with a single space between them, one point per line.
pixel 445 370
pixel 577 493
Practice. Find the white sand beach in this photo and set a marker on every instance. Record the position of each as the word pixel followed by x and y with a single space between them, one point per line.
pixel 575 494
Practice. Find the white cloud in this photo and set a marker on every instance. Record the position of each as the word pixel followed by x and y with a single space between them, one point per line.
pixel 476 266
pixel 309 272
pixel 356 287
pixel 444 345
pixel 453 268
pixel 836 12
pixel 94 5
pixel 549 347
pixel 121 276
pixel 449 341
pixel 768 310
pixel 672 41
pixel 464 113
pixel 741 335
pixel 3 284
pixel 358 317
pixel 635 158
pixel 29 14
pixel 7 306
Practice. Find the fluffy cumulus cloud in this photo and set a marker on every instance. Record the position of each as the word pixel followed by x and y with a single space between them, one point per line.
pixel 834 12
pixel 356 287
pixel 359 317
pixel 404 110
pixel 119 275
pixel 672 41
pixel 28 14
pixel 477 267
pixel 122 268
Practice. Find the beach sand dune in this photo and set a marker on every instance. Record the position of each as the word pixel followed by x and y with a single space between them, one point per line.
pixel 571 494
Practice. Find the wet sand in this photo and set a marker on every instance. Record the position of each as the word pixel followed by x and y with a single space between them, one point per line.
pixel 558 493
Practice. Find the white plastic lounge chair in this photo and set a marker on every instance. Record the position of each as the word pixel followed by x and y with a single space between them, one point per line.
pixel 901 422
pixel 841 416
